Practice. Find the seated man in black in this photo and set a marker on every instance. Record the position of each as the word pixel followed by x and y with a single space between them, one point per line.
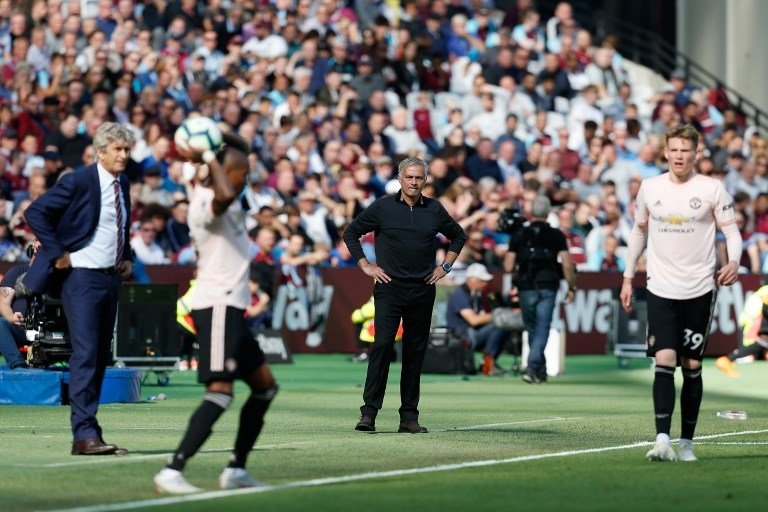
pixel 468 316
pixel 12 310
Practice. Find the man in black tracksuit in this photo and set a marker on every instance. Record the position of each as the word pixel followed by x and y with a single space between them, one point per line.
pixel 405 225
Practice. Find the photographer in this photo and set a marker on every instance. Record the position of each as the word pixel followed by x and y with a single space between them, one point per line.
pixel 469 316
pixel 12 311
pixel 538 255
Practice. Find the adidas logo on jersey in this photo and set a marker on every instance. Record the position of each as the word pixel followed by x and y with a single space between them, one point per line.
pixel 657 203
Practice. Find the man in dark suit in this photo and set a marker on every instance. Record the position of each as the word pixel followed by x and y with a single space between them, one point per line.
pixel 83 224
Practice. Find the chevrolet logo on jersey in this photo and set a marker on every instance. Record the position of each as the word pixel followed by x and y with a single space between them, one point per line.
pixel 674 219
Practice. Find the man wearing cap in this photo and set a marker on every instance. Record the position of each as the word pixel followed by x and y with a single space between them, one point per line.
pixel 469 317
pixel 51 166
pixel 368 79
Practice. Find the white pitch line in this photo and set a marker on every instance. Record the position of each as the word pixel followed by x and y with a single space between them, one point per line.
pixel 139 458
pixel 735 443
pixel 173 500
pixel 490 425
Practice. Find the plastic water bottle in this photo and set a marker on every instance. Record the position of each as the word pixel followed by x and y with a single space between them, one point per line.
pixel 732 415
pixel 161 396
pixel 151 398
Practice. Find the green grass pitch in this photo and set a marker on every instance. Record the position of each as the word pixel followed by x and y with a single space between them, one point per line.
pixel 574 443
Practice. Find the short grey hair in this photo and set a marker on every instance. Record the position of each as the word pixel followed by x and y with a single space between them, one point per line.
pixel 540 208
pixel 412 162
pixel 112 132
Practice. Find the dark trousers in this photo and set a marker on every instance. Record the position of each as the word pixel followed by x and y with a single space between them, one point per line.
pixel 12 337
pixel 413 302
pixel 90 300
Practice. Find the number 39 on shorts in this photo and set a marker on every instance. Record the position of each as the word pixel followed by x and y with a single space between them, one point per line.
pixel 692 340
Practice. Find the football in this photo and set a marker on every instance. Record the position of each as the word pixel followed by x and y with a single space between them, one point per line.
pixel 199 134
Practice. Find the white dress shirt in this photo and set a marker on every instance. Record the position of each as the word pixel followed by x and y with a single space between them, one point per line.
pixel 101 250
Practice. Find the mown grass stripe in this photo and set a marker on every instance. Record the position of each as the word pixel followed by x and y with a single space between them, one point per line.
pixel 173 500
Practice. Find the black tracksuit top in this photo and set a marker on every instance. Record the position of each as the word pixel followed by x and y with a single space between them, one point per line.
pixel 406 240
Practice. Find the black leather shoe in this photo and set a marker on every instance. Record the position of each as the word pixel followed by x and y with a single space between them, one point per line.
pixel 411 427
pixel 93 446
pixel 366 424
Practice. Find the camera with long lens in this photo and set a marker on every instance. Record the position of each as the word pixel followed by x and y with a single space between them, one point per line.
pixel 511 221
pixel 47 331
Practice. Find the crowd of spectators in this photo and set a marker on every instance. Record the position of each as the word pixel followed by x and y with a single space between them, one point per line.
pixel 331 95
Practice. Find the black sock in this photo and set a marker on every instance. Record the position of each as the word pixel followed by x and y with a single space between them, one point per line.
pixel 664 398
pixel 251 422
pixel 754 349
pixel 690 401
pixel 200 425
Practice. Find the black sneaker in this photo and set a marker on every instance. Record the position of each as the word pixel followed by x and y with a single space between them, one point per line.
pixel 366 424
pixel 531 378
pixel 411 427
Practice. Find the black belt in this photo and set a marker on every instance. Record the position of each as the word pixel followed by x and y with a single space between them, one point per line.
pixel 110 271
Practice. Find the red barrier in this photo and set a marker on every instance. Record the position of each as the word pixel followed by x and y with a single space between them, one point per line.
pixel 325 325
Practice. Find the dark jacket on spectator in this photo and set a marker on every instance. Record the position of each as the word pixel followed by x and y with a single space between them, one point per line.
pixel 478 168
pixel 71 150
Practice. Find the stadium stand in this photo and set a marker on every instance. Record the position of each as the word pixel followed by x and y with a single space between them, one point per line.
pixel 331 96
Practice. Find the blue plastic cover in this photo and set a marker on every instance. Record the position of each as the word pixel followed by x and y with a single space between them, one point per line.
pixel 30 387
pixel 120 385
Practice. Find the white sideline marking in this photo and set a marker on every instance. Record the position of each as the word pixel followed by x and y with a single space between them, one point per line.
pixel 733 443
pixel 490 425
pixel 316 482
pixel 139 458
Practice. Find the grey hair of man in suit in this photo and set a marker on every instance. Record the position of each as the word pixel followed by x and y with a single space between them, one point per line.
pixel 112 132
pixel 412 162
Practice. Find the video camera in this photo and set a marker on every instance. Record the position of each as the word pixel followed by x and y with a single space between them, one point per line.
pixel 47 331
pixel 511 221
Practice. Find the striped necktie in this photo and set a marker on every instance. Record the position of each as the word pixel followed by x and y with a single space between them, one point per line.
pixel 120 232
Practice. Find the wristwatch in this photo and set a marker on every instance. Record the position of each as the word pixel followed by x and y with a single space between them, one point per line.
pixel 447 267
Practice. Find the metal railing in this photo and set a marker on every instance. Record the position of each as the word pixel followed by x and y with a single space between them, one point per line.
pixel 647 48
pixel 653 51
